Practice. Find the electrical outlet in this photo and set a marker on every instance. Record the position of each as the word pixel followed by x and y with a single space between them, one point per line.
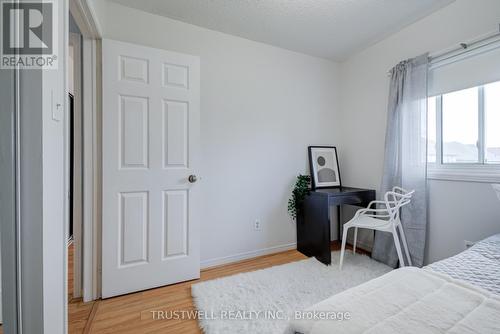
pixel 468 244
pixel 257 226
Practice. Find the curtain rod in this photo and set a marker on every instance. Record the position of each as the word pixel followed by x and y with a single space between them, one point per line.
pixel 463 48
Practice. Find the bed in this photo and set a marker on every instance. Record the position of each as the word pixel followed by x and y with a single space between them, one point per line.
pixel 460 294
pixel 479 265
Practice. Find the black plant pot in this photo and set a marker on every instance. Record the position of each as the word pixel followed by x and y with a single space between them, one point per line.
pixel 300 225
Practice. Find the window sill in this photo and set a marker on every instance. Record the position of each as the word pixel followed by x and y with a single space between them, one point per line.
pixel 473 173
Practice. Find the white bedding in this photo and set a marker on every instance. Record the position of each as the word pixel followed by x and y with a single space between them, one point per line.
pixel 479 265
pixel 408 300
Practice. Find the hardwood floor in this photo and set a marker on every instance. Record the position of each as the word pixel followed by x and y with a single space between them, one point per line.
pixel 71 252
pixel 132 313
pixel 78 312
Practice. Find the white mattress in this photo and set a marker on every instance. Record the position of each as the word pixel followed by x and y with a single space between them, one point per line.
pixel 479 265
pixel 408 300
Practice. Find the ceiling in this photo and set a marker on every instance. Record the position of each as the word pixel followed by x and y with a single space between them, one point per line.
pixel 333 29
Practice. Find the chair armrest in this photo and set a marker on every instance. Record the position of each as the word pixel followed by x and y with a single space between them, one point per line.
pixel 379 213
pixel 375 212
pixel 380 202
pixel 375 202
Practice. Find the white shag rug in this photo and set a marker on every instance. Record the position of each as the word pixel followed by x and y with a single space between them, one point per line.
pixel 247 302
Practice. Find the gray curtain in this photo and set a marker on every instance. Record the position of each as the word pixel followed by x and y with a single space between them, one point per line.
pixel 405 161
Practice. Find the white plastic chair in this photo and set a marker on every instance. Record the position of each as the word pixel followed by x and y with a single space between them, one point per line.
pixel 384 219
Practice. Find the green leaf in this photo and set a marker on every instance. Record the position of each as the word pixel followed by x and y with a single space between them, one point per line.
pixel 299 192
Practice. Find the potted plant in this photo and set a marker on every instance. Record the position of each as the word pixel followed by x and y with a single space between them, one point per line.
pixel 299 193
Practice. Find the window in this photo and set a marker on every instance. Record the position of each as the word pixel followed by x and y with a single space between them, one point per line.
pixel 492 122
pixel 464 129
pixel 464 113
pixel 460 113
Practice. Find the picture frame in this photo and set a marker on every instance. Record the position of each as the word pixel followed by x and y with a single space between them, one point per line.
pixel 324 167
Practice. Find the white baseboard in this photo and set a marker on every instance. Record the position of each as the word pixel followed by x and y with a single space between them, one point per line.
pixel 246 255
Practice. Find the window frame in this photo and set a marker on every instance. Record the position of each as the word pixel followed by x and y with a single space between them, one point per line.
pixel 480 171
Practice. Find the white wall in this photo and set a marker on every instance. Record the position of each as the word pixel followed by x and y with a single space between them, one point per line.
pixel 55 189
pixel 458 210
pixel 261 106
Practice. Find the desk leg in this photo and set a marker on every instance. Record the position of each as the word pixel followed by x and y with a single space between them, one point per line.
pixel 315 236
pixel 339 221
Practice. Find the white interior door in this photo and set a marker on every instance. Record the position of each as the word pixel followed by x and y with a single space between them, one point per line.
pixel 150 135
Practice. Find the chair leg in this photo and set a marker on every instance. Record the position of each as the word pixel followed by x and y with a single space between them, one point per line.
pixel 405 244
pixel 398 247
pixel 355 239
pixel 342 250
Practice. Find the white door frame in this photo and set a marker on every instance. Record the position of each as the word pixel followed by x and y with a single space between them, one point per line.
pixel 85 18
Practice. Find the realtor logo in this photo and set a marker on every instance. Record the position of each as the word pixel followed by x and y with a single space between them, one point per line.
pixel 28 37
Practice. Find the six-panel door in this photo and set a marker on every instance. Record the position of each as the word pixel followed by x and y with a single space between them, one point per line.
pixel 150 136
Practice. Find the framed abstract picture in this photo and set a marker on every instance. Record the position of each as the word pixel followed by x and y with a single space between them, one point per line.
pixel 324 167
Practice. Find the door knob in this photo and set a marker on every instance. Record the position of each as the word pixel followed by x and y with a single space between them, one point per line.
pixel 192 178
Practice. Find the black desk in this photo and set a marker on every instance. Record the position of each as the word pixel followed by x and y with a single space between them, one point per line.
pixel 313 224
